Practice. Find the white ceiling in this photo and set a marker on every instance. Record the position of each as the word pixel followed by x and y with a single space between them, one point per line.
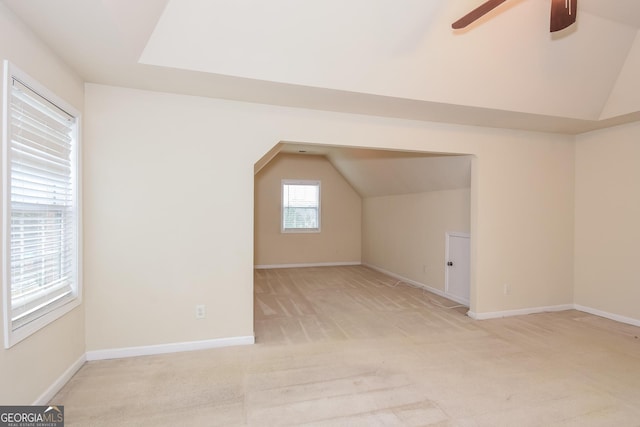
pixel 393 58
pixel 401 49
pixel 622 11
pixel 387 57
pixel 374 173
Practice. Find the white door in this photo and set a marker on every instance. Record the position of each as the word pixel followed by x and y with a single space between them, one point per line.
pixel 458 259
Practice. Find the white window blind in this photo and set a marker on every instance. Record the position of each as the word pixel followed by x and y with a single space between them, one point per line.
pixel 41 206
pixel 300 206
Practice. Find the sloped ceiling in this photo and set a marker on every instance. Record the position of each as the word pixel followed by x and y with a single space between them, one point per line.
pixel 401 49
pixel 374 173
pixel 388 57
pixel 385 57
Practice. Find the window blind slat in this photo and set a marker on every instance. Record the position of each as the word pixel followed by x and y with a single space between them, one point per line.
pixel 33 280
pixel 35 159
pixel 39 174
pixel 41 184
pixel 29 113
pixel 20 151
pixel 37 177
pixel 48 140
pixel 39 194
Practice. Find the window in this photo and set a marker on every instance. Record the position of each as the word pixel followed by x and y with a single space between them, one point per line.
pixel 300 206
pixel 41 215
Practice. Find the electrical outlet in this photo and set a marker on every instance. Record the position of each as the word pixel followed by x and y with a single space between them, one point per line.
pixel 507 289
pixel 424 268
pixel 201 311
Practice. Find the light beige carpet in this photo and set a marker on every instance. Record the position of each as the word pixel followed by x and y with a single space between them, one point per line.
pixel 347 346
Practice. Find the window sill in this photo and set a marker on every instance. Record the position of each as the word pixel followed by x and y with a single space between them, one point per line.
pixel 300 231
pixel 11 337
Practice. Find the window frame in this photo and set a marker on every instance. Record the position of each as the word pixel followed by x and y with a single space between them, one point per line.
pixel 317 183
pixel 58 307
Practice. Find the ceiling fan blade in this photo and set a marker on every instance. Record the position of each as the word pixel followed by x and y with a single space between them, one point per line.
pixel 563 14
pixel 477 13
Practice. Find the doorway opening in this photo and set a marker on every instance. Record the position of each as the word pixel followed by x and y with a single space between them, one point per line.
pixel 390 211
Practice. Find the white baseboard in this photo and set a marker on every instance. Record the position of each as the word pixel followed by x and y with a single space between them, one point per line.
pixel 518 312
pixel 60 382
pixel 611 316
pixel 417 284
pixel 510 313
pixel 303 265
pixel 149 350
pixel 563 307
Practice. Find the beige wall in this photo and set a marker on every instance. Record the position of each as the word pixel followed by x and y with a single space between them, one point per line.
pixel 339 240
pixel 30 367
pixel 169 200
pixel 607 272
pixel 405 234
pixel 163 170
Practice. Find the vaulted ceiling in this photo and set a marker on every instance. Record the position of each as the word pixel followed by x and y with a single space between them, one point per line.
pixel 394 58
pixel 384 57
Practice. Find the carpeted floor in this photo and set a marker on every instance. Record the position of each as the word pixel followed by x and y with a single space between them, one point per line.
pixel 347 346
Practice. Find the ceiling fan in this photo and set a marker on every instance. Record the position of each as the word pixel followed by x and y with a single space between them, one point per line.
pixel 563 13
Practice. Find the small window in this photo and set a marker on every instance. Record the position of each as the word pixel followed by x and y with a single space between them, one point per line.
pixel 41 221
pixel 300 206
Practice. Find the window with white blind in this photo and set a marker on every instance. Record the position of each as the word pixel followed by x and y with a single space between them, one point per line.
pixel 41 215
pixel 300 206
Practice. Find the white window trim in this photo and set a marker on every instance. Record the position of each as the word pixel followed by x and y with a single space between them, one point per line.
pixel 12 337
pixel 300 230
